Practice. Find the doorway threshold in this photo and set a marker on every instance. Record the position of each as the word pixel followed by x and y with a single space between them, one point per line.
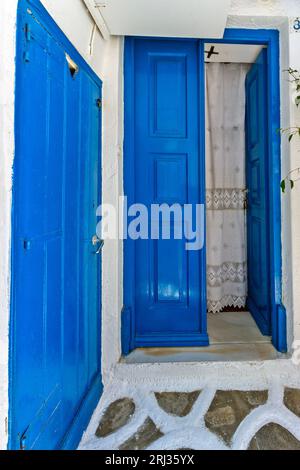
pixel 234 336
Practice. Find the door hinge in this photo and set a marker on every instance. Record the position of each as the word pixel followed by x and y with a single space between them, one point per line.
pixel 27 245
pixel 27 39
pixel 99 103
pixel 27 32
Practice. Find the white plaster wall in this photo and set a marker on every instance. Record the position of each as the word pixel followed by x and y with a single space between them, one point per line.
pixel 76 22
pixel 292 250
pixel 112 187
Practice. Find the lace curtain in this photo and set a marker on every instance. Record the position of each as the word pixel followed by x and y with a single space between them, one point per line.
pixel 225 195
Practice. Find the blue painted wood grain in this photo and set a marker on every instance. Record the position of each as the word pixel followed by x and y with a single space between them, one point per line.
pixel 165 285
pixel 55 364
pixel 257 209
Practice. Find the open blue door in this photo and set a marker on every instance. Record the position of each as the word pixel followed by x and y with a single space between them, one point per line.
pixel 165 285
pixel 259 302
pixel 56 283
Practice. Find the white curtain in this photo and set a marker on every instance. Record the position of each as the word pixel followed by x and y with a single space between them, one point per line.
pixel 225 187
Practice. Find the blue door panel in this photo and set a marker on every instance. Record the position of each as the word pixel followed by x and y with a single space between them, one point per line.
pixel 92 185
pixel 56 288
pixel 257 213
pixel 71 249
pixel 169 293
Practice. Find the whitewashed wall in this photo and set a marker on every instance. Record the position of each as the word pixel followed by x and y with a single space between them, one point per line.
pixel 76 22
pixel 106 58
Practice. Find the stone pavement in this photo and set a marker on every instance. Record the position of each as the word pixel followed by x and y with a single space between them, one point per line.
pixel 198 419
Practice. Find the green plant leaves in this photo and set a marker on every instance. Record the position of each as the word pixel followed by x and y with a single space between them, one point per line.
pixel 283 184
pixel 291 131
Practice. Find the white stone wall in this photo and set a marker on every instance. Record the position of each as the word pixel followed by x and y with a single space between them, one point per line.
pixel 106 58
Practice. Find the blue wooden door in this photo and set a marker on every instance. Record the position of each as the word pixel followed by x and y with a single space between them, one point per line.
pixel 257 176
pixel 165 165
pixel 55 328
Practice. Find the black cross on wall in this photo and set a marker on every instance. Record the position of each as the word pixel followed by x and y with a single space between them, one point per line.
pixel 211 52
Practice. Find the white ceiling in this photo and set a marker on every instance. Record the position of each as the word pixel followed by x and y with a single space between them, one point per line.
pixel 233 53
pixel 166 18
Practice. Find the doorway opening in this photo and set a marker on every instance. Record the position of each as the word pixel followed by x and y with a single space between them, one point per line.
pixel 236 197
pixel 217 100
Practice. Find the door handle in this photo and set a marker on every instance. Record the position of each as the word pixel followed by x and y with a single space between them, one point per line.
pixel 97 241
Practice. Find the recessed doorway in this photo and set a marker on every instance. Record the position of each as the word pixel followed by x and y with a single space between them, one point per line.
pixel 170 86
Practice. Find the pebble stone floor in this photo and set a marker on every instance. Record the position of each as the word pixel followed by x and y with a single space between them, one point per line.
pixel 198 419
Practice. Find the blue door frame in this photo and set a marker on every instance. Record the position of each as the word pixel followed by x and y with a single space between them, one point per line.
pixel 270 39
pixel 69 352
